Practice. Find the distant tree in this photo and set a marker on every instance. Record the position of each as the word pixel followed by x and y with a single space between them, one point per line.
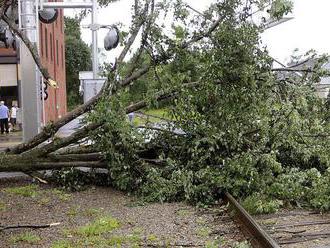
pixel 78 58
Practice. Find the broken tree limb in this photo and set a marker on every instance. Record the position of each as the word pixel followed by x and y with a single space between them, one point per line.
pixel 76 157
pixel 35 159
pixel 62 142
pixel 85 130
pixel 50 130
pixel 34 165
pixel 77 150
pixel 37 176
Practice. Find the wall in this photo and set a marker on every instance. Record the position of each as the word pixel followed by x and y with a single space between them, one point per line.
pixel 52 50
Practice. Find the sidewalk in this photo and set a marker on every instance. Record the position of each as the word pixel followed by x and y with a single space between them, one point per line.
pixel 11 139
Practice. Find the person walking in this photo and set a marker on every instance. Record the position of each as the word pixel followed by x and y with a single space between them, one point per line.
pixel 13 114
pixel 4 114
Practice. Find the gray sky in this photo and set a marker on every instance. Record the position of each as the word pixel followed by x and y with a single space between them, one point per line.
pixel 308 30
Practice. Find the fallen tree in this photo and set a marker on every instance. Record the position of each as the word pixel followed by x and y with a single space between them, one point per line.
pixel 244 127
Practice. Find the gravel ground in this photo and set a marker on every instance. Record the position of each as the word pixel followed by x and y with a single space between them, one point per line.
pixel 298 228
pixel 156 225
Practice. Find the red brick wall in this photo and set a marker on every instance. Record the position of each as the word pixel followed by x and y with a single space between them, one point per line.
pixel 52 50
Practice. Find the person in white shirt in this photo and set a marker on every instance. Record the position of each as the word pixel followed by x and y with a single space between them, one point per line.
pixel 13 115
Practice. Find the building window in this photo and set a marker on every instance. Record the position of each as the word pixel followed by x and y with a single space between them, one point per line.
pixel 62 50
pixel 57 60
pixel 41 41
pixel 51 46
pixel 46 43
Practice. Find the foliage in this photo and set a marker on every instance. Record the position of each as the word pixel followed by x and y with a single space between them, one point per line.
pixel 261 135
pixel 2 207
pixel 75 180
pixel 26 237
pixel 77 58
pixel 26 191
pixel 256 204
pixel 100 226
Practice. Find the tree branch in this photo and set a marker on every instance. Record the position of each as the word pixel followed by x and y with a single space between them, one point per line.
pixel 54 127
pixel 2 228
pixel 293 70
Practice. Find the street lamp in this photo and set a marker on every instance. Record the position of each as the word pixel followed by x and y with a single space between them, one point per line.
pixel 111 40
pixel 48 15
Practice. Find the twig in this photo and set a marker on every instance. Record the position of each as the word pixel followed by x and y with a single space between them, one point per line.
pixel 37 176
pixel 29 226
pixel 293 70
pixel 308 223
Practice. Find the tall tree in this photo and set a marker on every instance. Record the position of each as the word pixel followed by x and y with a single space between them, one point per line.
pixel 245 127
pixel 77 58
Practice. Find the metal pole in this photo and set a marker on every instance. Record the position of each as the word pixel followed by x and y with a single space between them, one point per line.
pixel 94 41
pixel 66 5
pixel 40 105
pixel 30 82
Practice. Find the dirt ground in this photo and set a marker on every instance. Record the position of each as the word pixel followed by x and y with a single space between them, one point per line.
pixel 103 217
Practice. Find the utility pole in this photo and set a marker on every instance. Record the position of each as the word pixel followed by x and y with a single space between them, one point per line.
pixel 30 75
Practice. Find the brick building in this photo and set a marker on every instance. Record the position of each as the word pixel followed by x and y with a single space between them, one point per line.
pixel 52 51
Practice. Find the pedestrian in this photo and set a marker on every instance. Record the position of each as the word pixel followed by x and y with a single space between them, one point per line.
pixel 13 115
pixel 4 115
pixel 131 117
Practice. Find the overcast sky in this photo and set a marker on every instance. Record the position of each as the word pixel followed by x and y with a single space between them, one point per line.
pixel 308 30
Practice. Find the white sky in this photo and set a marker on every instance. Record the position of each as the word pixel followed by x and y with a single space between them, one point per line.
pixel 308 30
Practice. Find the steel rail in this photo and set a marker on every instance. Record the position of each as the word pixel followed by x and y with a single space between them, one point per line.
pixel 260 237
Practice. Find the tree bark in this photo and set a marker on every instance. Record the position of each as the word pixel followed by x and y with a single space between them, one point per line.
pixel 76 157
pixel 14 163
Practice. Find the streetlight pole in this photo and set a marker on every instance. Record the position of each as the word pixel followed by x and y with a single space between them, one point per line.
pixel 84 5
pixel 94 41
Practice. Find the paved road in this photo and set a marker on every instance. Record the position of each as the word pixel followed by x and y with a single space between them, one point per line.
pixel 70 128
pixel 13 139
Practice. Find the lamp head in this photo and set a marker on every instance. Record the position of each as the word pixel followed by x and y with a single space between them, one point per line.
pixel 48 15
pixel 111 40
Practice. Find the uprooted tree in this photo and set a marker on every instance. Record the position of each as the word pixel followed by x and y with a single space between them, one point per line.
pixel 260 133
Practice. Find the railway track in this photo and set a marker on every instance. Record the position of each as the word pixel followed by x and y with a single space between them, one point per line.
pixel 287 229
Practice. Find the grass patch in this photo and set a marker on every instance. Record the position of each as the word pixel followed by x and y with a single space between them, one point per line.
pixel 61 195
pixel 183 212
pixel 44 201
pixel 203 232
pixel 99 241
pixel 213 244
pixel 244 244
pixel 99 234
pixel 92 212
pixel 26 191
pixel 73 211
pixel 98 227
pixel 200 221
pixel 152 238
pixel 26 237
pixel 2 207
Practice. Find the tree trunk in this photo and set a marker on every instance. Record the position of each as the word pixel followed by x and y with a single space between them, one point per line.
pixel 12 163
